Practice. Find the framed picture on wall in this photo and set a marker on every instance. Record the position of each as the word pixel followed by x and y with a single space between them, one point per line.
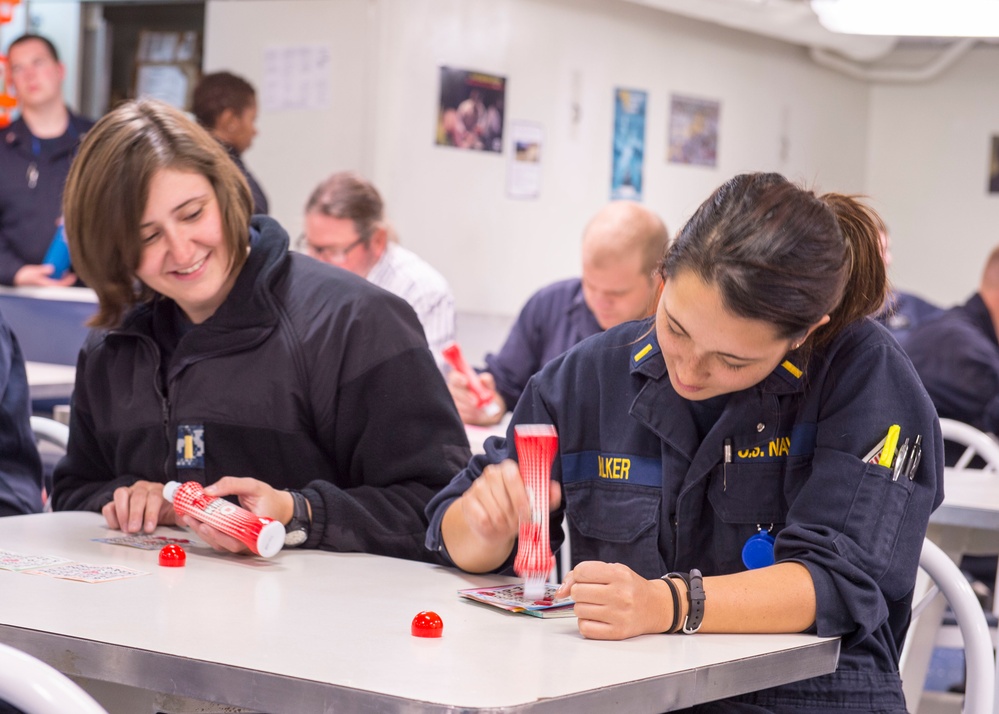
pixel 470 114
pixel 167 66
pixel 628 149
pixel 994 166
pixel 523 174
pixel 693 131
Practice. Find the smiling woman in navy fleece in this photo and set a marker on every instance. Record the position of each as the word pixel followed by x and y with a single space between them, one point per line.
pixel 297 387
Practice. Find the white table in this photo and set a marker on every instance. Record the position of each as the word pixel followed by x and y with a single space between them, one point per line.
pixel 477 435
pixel 49 322
pixel 971 500
pixel 309 631
pixel 50 381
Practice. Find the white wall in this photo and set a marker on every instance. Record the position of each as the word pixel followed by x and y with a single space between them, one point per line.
pixel 295 149
pixel 13 29
pixel 449 205
pixel 920 151
pixel 928 169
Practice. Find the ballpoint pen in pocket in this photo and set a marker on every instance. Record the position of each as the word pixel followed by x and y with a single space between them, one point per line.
pixel 914 456
pixel 900 463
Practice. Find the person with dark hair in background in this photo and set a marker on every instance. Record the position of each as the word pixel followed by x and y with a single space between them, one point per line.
pixel 724 466
pixel 226 105
pixel 35 155
pixel 305 392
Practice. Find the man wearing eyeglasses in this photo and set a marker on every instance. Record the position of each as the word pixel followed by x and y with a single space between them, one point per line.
pixel 345 226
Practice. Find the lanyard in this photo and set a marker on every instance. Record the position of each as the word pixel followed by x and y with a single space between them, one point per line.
pixel 36 150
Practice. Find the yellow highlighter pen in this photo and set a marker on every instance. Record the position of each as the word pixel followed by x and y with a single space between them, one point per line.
pixel 888 450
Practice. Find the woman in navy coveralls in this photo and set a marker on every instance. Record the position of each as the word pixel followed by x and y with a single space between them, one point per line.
pixel 760 343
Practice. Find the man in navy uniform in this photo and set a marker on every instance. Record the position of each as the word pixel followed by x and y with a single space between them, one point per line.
pixel 35 155
pixel 622 245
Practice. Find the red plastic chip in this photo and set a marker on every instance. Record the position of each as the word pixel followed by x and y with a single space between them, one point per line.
pixel 427 624
pixel 172 556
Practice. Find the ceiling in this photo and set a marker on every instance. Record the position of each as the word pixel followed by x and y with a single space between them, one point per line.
pixel 788 20
pixel 795 22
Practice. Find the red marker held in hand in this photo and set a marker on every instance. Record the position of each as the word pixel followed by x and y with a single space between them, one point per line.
pixel 485 399
pixel 263 535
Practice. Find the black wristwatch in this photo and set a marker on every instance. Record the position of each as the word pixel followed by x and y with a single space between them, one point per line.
pixel 297 530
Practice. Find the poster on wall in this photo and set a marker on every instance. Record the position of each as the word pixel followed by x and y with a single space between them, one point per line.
pixel 165 82
pixel 296 77
pixel 523 174
pixel 629 144
pixel 693 131
pixel 994 166
pixel 167 66
pixel 470 115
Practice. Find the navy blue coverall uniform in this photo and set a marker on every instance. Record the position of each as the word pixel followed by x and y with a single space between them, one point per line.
pixel 20 464
pixel 903 312
pixel 645 484
pixel 32 176
pixel 962 378
pixel 554 319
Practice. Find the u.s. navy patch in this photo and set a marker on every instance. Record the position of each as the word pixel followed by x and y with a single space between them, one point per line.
pixel 191 446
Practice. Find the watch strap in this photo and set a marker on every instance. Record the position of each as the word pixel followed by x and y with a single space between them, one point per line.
pixel 299 522
pixel 695 599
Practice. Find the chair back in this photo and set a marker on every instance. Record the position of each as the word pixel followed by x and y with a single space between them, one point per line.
pixel 50 430
pixel 975 443
pixel 948 579
pixel 36 688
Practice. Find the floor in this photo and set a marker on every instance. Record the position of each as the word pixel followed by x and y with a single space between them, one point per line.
pixel 946 673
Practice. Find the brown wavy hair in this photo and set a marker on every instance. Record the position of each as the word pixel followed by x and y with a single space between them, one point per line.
pixel 108 187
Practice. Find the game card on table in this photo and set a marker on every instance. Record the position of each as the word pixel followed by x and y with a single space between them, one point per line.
pixel 87 573
pixel 511 598
pixel 19 562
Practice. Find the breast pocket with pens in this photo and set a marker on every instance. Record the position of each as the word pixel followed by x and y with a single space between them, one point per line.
pixel 900 459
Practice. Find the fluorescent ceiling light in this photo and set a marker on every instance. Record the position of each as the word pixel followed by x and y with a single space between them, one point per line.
pixel 926 18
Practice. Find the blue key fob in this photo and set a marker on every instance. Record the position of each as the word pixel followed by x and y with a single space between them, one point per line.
pixel 58 254
pixel 758 552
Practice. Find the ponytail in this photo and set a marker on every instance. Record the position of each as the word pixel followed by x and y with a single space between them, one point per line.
pixel 866 286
